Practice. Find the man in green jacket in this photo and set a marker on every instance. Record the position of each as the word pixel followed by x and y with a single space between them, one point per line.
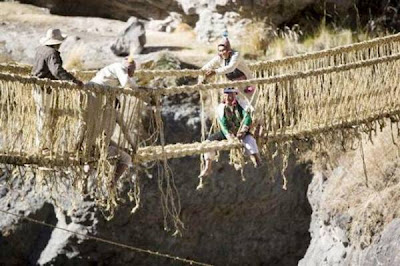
pixel 234 122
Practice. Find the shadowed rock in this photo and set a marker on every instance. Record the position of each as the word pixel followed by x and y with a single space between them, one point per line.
pixel 131 40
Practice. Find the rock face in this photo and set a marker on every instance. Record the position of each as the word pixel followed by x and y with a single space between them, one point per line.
pixel 355 217
pixel 211 17
pixel 27 243
pixel 276 11
pixel 131 40
pixel 121 10
pixel 212 25
pixel 168 24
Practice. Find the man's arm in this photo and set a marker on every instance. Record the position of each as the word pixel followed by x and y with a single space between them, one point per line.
pixel 246 118
pixel 213 63
pixel 55 66
pixel 224 126
pixel 233 63
pixel 223 122
pixel 246 123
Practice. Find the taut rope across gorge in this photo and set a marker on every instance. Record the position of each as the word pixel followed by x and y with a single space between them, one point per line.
pixel 341 92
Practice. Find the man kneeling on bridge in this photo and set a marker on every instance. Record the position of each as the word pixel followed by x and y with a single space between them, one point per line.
pixel 234 122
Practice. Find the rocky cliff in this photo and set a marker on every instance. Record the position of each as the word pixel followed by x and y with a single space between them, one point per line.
pixel 355 209
pixel 211 18
pixel 353 218
pixel 277 12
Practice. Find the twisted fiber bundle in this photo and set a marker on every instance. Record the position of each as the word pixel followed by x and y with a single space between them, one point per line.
pixel 374 48
pixel 62 84
pixel 183 149
pixel 179 150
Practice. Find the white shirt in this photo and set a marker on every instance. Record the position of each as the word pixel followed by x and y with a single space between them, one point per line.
pixel 236 62
pixel 114 75
pixel 218 64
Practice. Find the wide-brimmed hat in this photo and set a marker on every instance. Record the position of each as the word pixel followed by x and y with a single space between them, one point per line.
pixel 230 90
pixel 53 37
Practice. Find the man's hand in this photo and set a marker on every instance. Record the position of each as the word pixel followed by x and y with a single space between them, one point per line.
pixel 210 72
pixel 240 134
pixel 243 132
pixel 79 83
pixel 230 137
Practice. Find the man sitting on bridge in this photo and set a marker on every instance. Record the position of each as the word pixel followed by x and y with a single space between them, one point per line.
pixel 234 122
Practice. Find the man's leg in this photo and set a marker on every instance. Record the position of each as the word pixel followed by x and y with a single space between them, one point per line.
pixel 124 162
pixel 209 157
pixel 251 148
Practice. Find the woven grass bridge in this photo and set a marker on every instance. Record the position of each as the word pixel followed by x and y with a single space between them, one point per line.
pixel 338 92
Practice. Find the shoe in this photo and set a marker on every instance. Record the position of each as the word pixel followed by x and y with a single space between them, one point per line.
pixel 256 161
pixel 201 184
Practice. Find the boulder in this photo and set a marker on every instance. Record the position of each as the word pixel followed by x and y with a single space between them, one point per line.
pixel 168 24
pixel 212 25
pixel 131 40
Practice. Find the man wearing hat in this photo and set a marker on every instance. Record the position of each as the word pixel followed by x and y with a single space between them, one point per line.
pixel 234 121
pixel 48 64
pixel 229 63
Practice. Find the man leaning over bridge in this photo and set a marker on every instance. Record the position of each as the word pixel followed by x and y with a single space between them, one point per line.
pixel 48 64
pixel 115 75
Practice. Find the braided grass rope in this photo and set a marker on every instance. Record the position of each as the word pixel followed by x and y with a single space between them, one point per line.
pixel 180 150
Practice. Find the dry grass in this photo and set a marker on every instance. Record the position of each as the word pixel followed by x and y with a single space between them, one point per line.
pixel 256 38
pixel 74 59
pixel 183 27
pixel 326 39
pixel 371 199
pixel 263 41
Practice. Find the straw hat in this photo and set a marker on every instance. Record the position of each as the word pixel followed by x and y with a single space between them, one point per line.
pixel 53 37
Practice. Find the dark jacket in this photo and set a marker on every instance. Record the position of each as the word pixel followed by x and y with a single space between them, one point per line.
pixel 48 64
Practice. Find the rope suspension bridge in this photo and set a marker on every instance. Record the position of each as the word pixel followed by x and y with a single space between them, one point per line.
pixel 341 92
